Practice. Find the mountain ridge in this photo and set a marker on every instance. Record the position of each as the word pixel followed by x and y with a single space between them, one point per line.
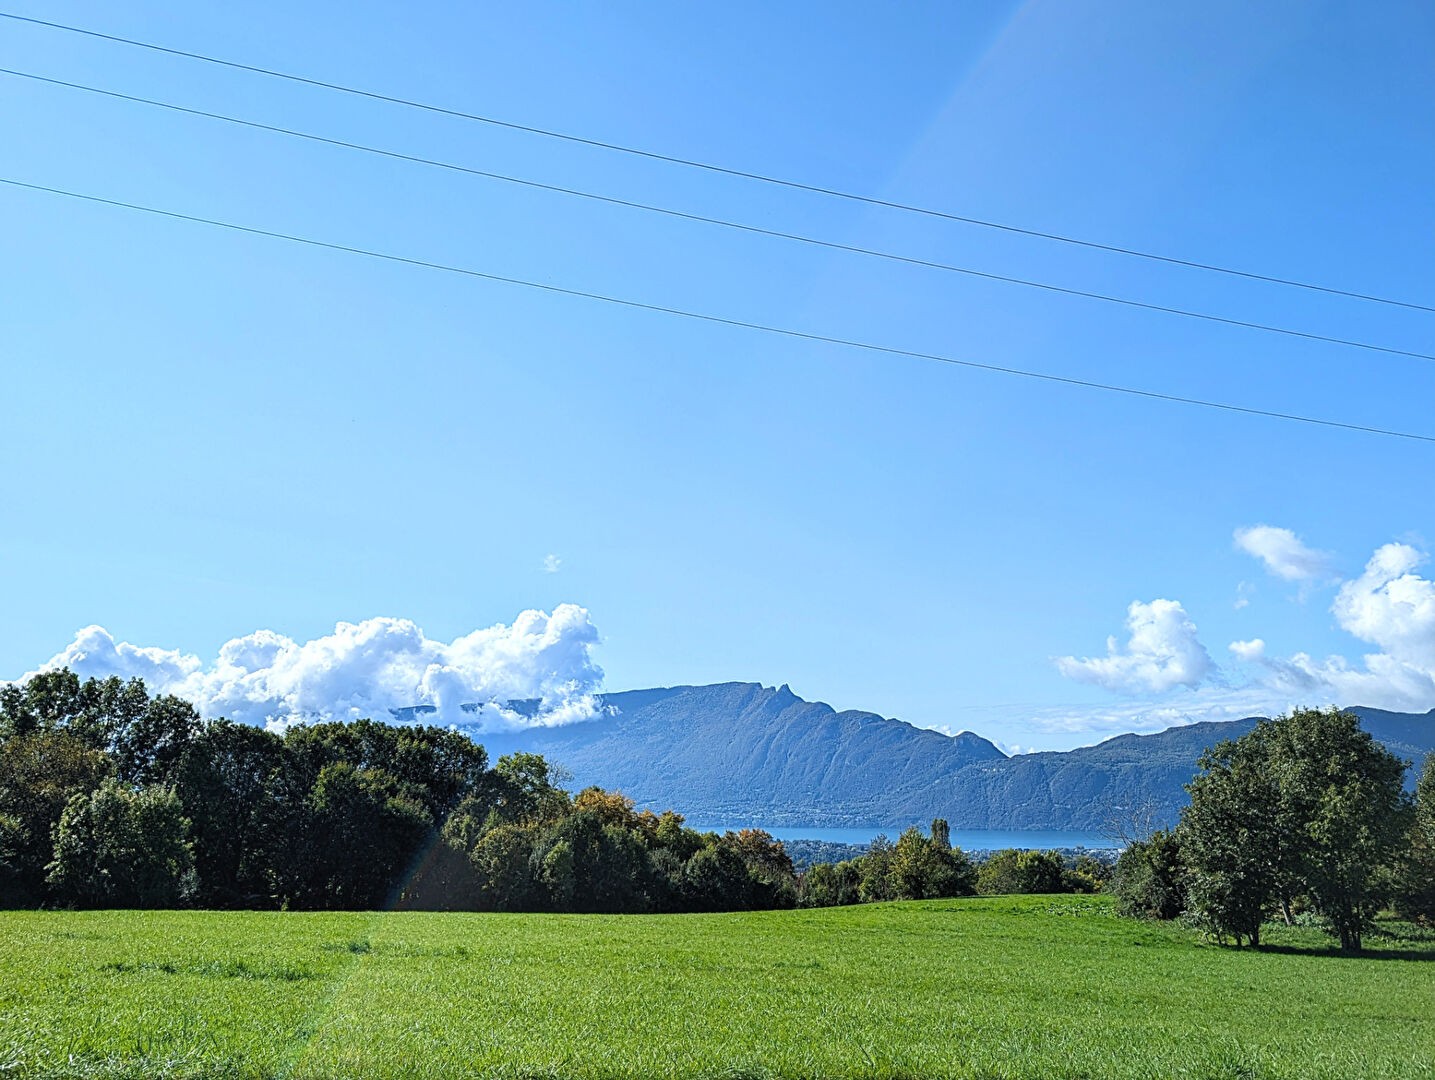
pixel 747 753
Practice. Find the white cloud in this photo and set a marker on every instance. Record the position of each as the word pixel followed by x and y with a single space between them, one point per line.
pixel 1283 553
pixel 368 668
pixel 1162 653
pixel 1388 606
pixel 552 564
pixel 1248 650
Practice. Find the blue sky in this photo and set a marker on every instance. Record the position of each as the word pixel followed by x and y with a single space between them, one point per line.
pixel 209 434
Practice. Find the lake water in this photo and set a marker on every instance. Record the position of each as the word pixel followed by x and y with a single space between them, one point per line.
pixel 966 839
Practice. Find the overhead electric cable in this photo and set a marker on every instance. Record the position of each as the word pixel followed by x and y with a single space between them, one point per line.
pixel 741 226
pixel 639 305
pixel 711 167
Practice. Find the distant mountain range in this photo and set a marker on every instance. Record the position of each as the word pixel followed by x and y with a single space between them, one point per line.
pixel 741 753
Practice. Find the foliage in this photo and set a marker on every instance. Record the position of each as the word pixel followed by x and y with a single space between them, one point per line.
pixel 1307 804
pixel 1149 881
pixel 153 806
pixel 121 847
pixel 1015 871
pixel 1415 877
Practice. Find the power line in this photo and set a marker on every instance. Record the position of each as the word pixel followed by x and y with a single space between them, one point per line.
pixel 741 226
pixel 639 305
pixel 714 168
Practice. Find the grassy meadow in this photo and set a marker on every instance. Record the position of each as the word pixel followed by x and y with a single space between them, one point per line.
pixel 1026 986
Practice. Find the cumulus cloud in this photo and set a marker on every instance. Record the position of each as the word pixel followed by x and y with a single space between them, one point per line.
pixel 370 668
pixel 1389 606
pixel 1248 650
pixel 1283 553
pixel 1162 653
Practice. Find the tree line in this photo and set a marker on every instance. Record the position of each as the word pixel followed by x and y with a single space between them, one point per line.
pixel 1303 819
pixel 111 797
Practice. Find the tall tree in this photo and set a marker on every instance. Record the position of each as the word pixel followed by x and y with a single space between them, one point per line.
pixel 1305 803
pixel 1341 793
pixel 1415 898
pixel 1236 838
pixel 120 847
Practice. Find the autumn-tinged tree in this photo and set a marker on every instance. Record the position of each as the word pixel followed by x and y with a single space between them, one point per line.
pixel 922 869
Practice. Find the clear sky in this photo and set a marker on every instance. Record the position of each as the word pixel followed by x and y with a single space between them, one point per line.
pixel 207 434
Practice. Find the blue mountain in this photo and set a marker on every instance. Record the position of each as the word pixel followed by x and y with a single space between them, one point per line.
pixel 741 753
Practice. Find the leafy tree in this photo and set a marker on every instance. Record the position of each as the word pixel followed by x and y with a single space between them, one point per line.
pixel 1016 871
pixel 876 882
pixel 588 866
pixel 922 869
pixel 1305 803
pixel 1342 792
pixel 1237 837
pixel 1149 881
pixel 830 885
pixel 1085 874
pixel 502 864
pixel 1415 895
pixel 527 790
pixel 227 785
pixel 120 847
pixel 716 879
pixel 149 745
pixel 40 771
pixel 670 835
pixel 941 833
pixel 362 833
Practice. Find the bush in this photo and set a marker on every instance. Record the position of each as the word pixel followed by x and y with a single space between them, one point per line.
pixel 1149 881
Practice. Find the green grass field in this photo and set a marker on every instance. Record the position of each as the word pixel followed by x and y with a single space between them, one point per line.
pixel 985 987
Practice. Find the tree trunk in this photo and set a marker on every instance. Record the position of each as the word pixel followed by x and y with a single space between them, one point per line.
pixel 1286 911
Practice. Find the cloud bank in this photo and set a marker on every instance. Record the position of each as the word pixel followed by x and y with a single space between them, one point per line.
pixel 368 668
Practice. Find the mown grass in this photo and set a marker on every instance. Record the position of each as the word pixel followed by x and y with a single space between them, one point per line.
pixel 1018 987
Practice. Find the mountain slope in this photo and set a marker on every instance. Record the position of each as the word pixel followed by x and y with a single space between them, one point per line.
pixel 740 753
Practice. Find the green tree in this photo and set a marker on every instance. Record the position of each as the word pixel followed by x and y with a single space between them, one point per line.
pixel 1341 793
pixel 527 790
pixel 1415 892
pixel 875 881
pixel 1013 870
pixel 227 784
pixel 1305 803
pixel 1238 842
pixel 922 869
pixel 120 847
pixel 1149 881
pixel 830 885
pixel 502 860
pixel 941 833
pixel 363 832
pixel 41 770
pixel 716 879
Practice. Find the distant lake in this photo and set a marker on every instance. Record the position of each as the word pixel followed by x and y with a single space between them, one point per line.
pixel 966 839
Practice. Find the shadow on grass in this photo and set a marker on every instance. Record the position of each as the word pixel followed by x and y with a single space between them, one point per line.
pixel 1336 952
